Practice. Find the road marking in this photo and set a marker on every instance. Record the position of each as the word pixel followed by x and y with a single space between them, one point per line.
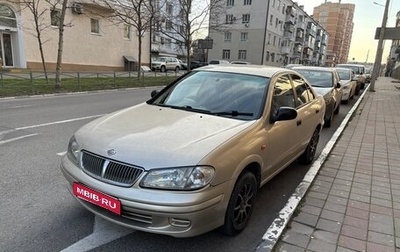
pixel 61 153
pixel 21 106
pixel 17 138
pixel 58 122
pixel 103 233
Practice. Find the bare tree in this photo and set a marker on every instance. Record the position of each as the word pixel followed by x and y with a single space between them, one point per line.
pixel 39 26
pixel 132 13
pixel 60 43
pixel 192 18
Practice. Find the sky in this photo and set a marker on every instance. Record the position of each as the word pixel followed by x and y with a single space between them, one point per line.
pixel 367 17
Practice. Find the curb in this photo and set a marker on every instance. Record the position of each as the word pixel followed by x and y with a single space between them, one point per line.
pixel 275 230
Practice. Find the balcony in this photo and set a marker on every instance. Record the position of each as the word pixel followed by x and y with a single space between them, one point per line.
pixel 288 35
pixel 290 19
pixel 286 50
pixel 289 28
pixel 302 26
pixel 311 32
pixel 291 11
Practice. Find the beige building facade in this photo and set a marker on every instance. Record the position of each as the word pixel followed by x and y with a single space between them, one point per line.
pixel 91 41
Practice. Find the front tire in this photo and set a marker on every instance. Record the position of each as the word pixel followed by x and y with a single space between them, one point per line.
pixel 163 69
pixel 308 156
pixel 241 204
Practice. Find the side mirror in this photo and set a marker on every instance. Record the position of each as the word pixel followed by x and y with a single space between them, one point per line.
pixel 284 114
pixel 154 93
pixel 338 85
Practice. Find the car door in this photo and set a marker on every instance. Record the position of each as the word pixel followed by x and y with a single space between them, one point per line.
pixel 282 135
pixel 308 110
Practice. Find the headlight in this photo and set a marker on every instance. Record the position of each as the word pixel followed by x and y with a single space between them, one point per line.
pixel 182 178
pixel 73 151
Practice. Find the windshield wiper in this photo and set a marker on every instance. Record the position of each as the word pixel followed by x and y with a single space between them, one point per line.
pixel 186 107
pixel 233 113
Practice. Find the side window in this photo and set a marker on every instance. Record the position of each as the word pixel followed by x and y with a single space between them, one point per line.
pixel 283 94
pixel 303 91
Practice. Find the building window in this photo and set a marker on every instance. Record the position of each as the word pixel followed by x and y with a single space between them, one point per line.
pixel 276 22
pixel 228 37
pixel 273 3
pixel 168 25
pixel 94 26
pixel 127 31
pixel 242 54
pixel 283 8
pixel 245 18
pixel 271 19
pixel 269 38
pixel 244 36
pixel 55 17
pixel 247 2
pixel 274 41
pixel 168 43
pixel 272 57
pixel 229 19
pixel 267 56
pixel 226 54
pixel 169 9
pixel 230 3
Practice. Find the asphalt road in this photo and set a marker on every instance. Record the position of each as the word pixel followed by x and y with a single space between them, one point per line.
pixel 38 213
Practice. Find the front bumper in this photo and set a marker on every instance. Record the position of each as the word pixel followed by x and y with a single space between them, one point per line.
pixel 178 214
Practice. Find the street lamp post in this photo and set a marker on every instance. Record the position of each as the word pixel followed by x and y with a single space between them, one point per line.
pixel 379 50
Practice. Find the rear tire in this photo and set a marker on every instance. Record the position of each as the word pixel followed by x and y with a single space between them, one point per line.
pixel 308 156
pixel 163 69
pixel 328 123
pixel 177 69
pixel 241 204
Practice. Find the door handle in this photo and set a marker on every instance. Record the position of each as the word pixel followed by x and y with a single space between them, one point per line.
pixel 298 122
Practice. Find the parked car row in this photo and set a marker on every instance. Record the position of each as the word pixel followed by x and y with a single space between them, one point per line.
pixel 197 152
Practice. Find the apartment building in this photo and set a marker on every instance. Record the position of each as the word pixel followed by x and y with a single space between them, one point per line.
pixel 167 26
pixel 272 32
pixel 337 19
pixel 395 47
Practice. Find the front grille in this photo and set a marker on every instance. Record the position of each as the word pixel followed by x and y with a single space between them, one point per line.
pixel 110 171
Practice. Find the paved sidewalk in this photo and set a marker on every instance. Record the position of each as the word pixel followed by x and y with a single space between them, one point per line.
pixel 354 201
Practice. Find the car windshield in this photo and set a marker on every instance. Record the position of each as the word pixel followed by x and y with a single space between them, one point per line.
pixel 344 74
pixel 355 69
pixel 317 78
pixel 238 96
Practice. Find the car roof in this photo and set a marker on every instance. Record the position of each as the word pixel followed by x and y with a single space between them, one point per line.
pixel 260 70
pixel 358 65
pixel 322 69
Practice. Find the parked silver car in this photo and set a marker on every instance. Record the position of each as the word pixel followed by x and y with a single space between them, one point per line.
pixel 193 157
pixel 166 63
pixel 326 82
pixel 360 74
pixel 348 82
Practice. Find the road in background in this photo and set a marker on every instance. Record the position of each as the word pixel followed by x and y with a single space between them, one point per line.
pixel 39 214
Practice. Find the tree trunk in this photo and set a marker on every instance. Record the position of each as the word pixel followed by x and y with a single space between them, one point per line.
pixel 60 45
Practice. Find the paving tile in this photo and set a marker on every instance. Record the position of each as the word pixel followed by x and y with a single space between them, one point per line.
pixel 321 245
pixel 359 213
pixel 373 247
pixel 311 209
pixel 338 181
pixel 340 193
pixel 333 216
pixel 295 238
pixel 328 225
pixel 380 238
pixel 381 210
pixel 356 222
pixel 381 202
pixel 341 249
pixel 317 195
pixel 337 200
pixel 326 236
pixel 301 228
pixel 379 227
pixel 354 232
pixel 284 247
pixel 306 218
pixel 361 198
pixel 314 201
pixel 351 243
pixel 335 207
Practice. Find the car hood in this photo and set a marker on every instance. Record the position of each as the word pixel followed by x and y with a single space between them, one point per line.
pixel 345 82
pixel 152 137
pixel 322 90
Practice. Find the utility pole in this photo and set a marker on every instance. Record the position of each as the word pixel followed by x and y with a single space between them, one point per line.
pixel 379 50
pixel 366 60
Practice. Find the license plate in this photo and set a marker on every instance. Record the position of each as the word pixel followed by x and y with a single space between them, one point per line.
pixel 99 199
